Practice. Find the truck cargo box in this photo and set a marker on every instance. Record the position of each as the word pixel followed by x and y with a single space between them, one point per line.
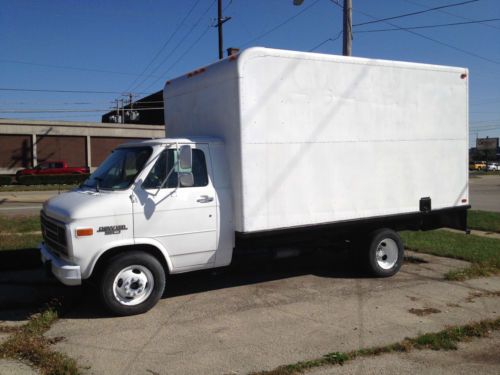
pixel 314 138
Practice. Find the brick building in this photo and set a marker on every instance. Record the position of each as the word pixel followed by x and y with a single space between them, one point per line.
pixel 25 143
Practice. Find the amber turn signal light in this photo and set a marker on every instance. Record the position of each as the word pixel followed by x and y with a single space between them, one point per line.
pixel 84 232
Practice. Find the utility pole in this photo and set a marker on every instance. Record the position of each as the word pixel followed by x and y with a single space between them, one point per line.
pixel 220 22
pixel 347 34
pixel 219 27
pixel 117 111
pixel 130 99
pixel 122 104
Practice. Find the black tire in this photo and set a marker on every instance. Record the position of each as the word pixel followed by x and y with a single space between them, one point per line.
pixel 385 253
pixel 139 270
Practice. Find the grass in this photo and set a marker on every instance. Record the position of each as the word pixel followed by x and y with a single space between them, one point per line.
pixel 484 173
pixel 25 226
pixel 15 242
pixel 19 224
pixel 28 343
pixel 36 187
pixel 484 220
pixel 446 339
pixel 483 253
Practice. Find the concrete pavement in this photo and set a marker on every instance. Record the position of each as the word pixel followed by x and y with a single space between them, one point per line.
pixel 480 356
pixel 263 316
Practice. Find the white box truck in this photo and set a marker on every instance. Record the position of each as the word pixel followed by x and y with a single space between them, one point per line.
pixel 269 150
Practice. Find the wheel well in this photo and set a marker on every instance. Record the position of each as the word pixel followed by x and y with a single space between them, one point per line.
pixel 150 249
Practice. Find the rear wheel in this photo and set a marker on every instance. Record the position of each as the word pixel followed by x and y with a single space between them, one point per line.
pixel 385 253
pixel 132 283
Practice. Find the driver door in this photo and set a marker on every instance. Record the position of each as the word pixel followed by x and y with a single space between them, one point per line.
pixel 182 219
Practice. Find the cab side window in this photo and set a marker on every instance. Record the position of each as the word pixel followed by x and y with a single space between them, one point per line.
pixel 168 161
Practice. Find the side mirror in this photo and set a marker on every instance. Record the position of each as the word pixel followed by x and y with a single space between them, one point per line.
pixel 186 179
pixel 185 157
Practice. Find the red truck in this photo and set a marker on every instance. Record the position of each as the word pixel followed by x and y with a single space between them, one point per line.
pixel 53 167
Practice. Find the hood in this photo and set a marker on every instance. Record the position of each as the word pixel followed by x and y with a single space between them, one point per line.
pixel 82 204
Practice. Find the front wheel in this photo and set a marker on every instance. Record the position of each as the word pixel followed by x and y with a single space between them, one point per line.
pixel 385 253
pixel 132 283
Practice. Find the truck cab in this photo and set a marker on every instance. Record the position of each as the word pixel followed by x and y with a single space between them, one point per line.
pixel 165 201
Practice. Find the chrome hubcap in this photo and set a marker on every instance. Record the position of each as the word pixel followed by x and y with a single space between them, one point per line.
pixel 133 285
pixel 387 253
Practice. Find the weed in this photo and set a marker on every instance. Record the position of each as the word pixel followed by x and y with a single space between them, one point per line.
pixel 446 339
pixel 28 343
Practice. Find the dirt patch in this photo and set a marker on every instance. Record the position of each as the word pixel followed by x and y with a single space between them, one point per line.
pixel 489 356
pixel 414 259
pixel 8 329
pixel 474 295
pixel 423 312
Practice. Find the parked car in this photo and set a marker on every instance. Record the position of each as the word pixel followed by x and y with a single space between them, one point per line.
pixel 52 167
pixel 493 167
pixel 477 165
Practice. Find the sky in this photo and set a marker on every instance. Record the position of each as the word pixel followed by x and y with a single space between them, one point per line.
pixel 101 49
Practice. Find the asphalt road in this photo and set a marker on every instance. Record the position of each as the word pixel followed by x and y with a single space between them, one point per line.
pixel 484 193
pixel 19 208
pixel 23 202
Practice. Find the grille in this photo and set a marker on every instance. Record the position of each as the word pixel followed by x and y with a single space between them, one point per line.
pixel 54 234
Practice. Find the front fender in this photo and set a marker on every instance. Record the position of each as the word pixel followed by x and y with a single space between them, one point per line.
pixel 87 271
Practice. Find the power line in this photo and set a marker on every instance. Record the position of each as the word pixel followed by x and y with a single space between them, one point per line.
pixel 436 40
pixel 327 40
pixel 77 110
pixel 63 91
pixel 228 5
pixel 451 14
pixel 196 41
pixel 280 24
pixel 176 47
pixel 165 44
pixel 53 117
pixel 415 13
pixel 73 103
pixel 94 70
pixel 428 26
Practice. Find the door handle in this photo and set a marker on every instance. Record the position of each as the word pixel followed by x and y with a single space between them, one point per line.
pixel 205 199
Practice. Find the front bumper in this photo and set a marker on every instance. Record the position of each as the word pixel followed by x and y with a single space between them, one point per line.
pixel 65 272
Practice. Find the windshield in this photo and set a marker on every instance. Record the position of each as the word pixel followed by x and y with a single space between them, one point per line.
pixel 120 168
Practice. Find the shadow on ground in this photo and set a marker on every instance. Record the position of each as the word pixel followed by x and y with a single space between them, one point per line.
pixel 24 291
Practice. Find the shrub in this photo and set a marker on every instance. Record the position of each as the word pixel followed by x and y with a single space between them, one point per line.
pixel 5 180
pixel 55 179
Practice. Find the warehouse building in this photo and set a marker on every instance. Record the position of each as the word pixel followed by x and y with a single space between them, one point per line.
pixel 26 143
